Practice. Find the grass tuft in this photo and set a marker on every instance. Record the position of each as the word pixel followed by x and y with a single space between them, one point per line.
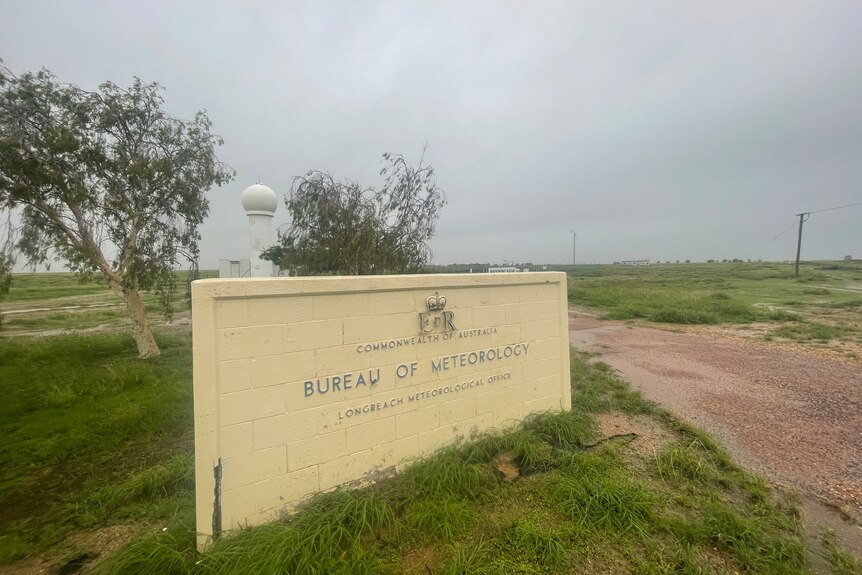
pixel 684 316
pixel 536 545
pixel 447 475
pixel 176 475
pixel 337 519
pixel 565 430
pixel 167 552
pixel 466 560
pixel 840 561
pixel 440 519
pixel 748 541
pixel 595 389
pixel 686 462
pixel 594 492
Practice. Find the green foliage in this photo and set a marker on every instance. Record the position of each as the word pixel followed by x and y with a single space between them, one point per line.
pixel 485 447
pixel 684 462
pixel 706 294
pixel 13 546
pixel 176 475
pixel 444 519
pixel 446 475
pixel 6 262
pixel 531 453
pixel 343 228
pixel 748 541
pixel 89 170
pixel 81 413
pixel 684 316
pixel 329 536
pixel 89 404
pixel 595 389
pixel 168 552
pixel 840 561
pixel 7 258
pixel 467 560
pixel 810 331
pixel 536 545
pixel 339 518
pixel 566 430
pixel 587 503
pixel 594 492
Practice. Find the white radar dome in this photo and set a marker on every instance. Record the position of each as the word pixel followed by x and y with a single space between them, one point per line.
pixel 259 198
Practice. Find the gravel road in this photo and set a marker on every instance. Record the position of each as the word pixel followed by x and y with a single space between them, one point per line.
pixel 792 415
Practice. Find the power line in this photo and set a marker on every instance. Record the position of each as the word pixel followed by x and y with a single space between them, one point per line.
pixel 803 217
pixel 793 225
pixel 835 208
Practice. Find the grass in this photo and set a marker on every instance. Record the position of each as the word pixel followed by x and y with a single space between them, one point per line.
pixel 80 413
pixel 65 320
pixel 104 440
pixel 536 543
pixel 28 286
pixel 580 504
pixel 692 294
pixel 63 302
pixel 595 494
pixel 61 285
pixel 813 331
pixel 841 562
pixel 173 478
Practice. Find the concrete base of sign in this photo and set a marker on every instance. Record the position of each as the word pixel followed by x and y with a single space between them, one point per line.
pixel 303 385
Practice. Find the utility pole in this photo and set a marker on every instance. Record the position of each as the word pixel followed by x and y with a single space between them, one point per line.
pixel 802 219
pixel 574 235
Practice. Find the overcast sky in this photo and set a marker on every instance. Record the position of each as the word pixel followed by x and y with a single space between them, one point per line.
pixel 661 130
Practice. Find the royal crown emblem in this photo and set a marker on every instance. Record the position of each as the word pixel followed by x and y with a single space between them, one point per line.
pixel 436 302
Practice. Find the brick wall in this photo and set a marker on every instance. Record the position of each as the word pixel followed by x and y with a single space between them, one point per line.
pixel 305 384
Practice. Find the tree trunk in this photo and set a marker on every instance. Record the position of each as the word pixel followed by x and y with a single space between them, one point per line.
pixel 147 346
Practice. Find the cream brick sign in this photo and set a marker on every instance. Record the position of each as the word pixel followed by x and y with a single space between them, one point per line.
pixel 305 384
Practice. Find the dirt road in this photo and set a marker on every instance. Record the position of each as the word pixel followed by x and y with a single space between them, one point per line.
pixel 792 415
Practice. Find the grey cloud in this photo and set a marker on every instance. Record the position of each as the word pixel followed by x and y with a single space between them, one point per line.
pixel 663 130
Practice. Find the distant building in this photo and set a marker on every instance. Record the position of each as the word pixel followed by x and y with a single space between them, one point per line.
pixel 634 262
pixel 234 268
pixel 503 270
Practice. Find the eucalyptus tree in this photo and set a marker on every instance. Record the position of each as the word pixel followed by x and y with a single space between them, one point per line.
pixel 108 182
pixel 344 228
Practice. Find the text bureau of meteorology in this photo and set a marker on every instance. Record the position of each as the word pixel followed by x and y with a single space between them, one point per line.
pixel 347 381
pixel 475 357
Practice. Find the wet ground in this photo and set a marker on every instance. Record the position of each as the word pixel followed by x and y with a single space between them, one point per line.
pixel 791 414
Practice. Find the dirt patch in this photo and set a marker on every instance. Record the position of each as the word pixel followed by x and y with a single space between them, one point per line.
pixel 651 436
pixel 505 464
pixel 80 553
pixel 422 561
pixel 788 412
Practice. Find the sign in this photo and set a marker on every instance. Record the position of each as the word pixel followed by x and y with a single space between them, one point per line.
pixel 307 384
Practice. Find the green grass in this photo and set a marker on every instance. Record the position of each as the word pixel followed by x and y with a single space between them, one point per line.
pixel 67 320
pixel 595 492
pixel 691 294
pixel 134 495
pixel 814 331
pixel 95 305
pixel 536 543
pixel 79 413
pixel 841 562
pixel 51 286
pixel 580 503
pixel 30 286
